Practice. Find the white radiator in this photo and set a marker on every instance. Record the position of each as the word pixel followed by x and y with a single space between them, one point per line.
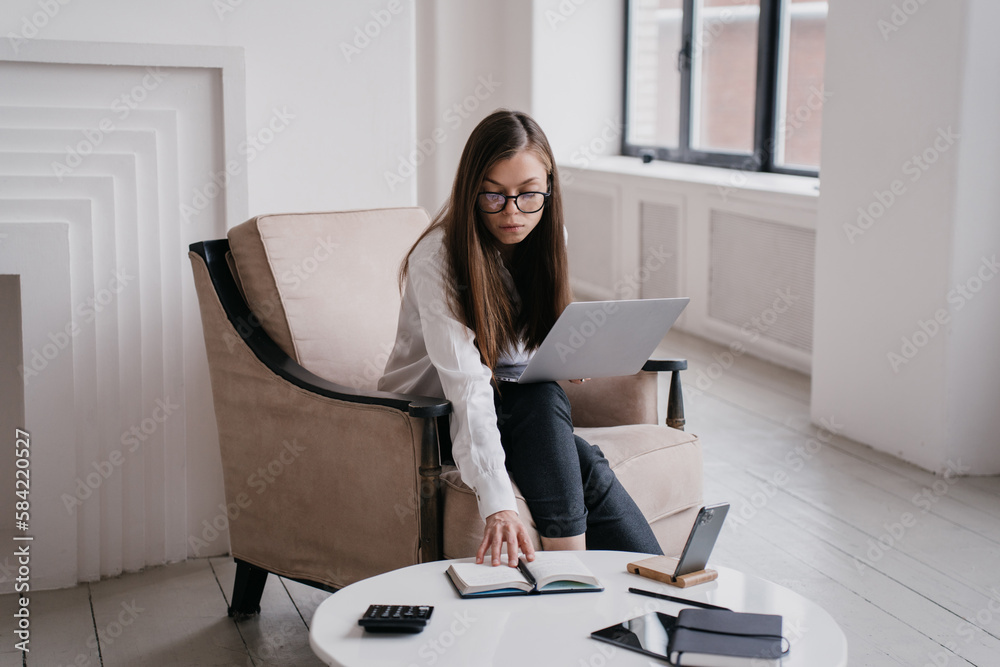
pixel 761 277
pixel 659 250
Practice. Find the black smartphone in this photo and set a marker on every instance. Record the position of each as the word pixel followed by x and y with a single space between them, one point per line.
pixel 701 539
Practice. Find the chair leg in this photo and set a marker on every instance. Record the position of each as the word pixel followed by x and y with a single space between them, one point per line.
pixel 675 403
pixel 247 589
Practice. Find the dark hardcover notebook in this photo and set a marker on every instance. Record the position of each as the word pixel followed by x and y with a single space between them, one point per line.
pixel 712 638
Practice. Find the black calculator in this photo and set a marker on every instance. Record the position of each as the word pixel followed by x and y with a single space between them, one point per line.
pixel 395 618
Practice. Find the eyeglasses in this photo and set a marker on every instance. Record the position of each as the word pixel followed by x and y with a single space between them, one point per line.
pixel 526 202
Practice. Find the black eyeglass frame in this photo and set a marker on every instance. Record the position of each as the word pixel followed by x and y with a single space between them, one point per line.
pixel 545 199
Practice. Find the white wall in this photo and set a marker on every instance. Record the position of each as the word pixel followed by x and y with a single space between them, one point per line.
pixel 578 77
pixel 973 383
pixel 353 113
pixel 474 56
pixel 882 366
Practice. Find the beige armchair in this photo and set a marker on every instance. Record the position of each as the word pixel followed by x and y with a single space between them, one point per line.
pixel 336 481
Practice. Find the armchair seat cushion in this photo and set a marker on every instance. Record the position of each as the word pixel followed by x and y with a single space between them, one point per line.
pixel 659 466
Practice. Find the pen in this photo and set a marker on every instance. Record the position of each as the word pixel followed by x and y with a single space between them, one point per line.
pixel 694 603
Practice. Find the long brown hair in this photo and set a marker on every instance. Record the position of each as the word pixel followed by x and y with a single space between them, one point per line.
pixel 539 267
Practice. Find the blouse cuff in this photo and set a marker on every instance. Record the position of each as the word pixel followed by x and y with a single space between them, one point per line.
pixel 494 493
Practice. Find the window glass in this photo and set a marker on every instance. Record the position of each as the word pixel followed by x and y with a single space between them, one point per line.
pixel 800 83
pixel 724 75
pixel 654 79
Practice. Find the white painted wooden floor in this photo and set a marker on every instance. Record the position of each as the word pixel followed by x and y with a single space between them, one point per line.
pixel 906 562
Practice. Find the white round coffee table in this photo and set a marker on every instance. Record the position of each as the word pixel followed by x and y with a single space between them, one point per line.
pixel 548 629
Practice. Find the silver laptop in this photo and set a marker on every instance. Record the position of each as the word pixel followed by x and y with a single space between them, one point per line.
pixel 593 339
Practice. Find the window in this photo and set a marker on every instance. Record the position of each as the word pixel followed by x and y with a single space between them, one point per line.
pixel 729 83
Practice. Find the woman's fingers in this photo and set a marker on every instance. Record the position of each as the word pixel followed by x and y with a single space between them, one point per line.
pixel 526 546
pixel 497 544
pixel 481 552
pixel 503 527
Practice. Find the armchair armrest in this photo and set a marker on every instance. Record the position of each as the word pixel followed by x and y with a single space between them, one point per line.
pixel 264 348
pixel 630 399
pixel 659 365
pixel 675 399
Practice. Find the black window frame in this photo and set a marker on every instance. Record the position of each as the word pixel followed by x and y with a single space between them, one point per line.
pixel 765 107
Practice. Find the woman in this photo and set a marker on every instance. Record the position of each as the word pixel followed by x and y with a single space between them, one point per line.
pixel 481 288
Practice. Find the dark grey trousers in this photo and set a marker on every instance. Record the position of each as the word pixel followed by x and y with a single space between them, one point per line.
pixel 567 483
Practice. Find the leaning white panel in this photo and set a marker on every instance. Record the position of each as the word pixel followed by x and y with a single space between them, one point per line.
pixel 119 94
pixel 206 86
pixel 140 440
pixel 101 192
pixel 166 527
pixel 39 253
pixel 125 509
pixel 77 214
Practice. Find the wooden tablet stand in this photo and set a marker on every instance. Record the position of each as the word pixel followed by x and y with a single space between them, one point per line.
pixel 662 568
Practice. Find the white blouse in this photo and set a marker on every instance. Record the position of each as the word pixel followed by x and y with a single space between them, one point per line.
pixel 435 355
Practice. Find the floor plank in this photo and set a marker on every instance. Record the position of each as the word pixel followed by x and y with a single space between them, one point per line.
pixel 306 598
pixel 278 636
pixel 166 616
pixel 9 656
pixel 62 628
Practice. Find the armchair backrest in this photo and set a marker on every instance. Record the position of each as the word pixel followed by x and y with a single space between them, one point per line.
pixel 324 285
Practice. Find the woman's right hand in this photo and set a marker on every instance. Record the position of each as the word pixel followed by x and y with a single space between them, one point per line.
pixel 501 527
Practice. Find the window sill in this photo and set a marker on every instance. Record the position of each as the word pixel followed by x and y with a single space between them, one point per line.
pixel 727 181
